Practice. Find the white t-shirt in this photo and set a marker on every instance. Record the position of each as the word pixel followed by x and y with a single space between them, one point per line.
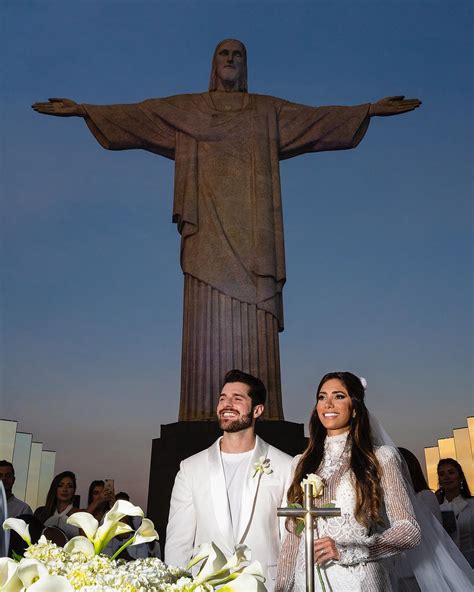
pixel 235 468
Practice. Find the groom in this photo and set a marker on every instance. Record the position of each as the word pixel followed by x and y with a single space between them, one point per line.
pixel 228 494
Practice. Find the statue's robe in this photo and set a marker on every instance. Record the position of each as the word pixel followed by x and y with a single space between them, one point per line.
pixel 227 205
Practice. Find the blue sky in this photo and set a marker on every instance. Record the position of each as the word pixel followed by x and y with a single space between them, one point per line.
pixel 378 239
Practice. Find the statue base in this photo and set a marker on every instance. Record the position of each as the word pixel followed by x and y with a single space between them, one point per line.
pixel 185 438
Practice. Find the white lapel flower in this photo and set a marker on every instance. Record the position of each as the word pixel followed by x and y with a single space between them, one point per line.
pixel 20 527
pixel 316 482
pixel 262 467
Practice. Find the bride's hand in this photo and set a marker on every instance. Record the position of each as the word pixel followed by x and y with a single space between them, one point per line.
pixel 325 550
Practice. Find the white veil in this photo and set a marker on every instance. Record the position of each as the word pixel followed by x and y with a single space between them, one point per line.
pixel 436 563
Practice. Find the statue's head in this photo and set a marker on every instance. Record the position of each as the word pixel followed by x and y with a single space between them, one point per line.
pixel 229 66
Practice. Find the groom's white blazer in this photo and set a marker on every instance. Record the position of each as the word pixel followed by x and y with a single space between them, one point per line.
pixel 200 512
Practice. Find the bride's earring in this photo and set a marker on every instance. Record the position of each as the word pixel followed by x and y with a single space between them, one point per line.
pixel 353 414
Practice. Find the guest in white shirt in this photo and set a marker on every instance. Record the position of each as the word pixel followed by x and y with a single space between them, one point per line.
pixel 15 507
pixel 59 505
pixel 455 498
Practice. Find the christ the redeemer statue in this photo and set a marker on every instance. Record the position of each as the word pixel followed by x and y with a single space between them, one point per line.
pixel 227 145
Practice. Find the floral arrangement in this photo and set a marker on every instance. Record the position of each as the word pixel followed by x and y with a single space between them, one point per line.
pixel 80 565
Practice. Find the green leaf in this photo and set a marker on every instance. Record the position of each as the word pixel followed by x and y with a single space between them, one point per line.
pixel 331 505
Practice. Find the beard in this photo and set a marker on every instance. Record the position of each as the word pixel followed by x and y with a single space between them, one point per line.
pixel 236 425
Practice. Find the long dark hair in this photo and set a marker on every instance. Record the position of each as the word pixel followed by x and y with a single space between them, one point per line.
pixel 91 489
pixel 464 489
pixel 415 470
pixel 243 77
pixel 51 498
pixel 363 461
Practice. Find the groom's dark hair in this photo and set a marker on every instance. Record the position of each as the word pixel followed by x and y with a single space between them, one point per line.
pixel 257 390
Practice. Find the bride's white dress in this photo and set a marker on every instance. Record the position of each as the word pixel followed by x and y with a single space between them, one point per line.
pixel 360 567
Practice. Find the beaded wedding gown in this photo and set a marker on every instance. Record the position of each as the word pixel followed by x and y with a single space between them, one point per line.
pixel 360 567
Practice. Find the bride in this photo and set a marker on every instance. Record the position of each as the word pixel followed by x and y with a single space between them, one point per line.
pixel 377 518
pixel 373 546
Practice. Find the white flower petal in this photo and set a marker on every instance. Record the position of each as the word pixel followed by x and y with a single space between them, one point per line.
pixel 29 570
pixel 145 533
pixel 9 580
pixel 20 527
pixel 214 563
pixel 242 553
pixel 107 532
pixel 122 508
pixel 86 522
pixel 52 584
pixel 203 553
pixel 243 583
pixel 80 544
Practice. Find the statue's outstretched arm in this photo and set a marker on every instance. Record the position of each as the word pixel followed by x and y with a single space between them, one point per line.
pixel 393 106
pixel 60 108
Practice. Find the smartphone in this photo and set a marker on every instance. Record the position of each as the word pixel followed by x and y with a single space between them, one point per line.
pixel 109 485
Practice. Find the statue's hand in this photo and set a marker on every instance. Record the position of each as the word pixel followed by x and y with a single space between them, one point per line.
pixel 60 108
pixel 393 106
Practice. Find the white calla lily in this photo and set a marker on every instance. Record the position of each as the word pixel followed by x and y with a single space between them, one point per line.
pixel 31 570
pixel 107 532
pixel 86 522
pixel 20 527
pixel 243 583
pixel 213 565
pixel 52 584
pixel 146 532
pixel 242 553
pixel 255 570
pixel 122 508
pixel 80 544
pixel 9 580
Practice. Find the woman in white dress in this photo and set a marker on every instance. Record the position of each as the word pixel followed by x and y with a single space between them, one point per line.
pixel 455 499
pixel 377 518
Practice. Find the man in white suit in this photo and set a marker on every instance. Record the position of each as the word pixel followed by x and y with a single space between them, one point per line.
pixel 228 493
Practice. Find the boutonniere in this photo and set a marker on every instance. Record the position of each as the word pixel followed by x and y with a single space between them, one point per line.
pixel 262 467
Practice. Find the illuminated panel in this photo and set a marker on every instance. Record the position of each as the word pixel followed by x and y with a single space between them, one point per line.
pixel 48 460
pixel 464 454
pixel 21 462
pixel 431 459
pixel 447 448
pixel 7 439
pixel 31 497
pixel 470 427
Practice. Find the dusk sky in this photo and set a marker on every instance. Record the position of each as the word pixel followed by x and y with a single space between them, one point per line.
pixel 378 239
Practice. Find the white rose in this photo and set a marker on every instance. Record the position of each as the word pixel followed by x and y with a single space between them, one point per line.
pixel 316 482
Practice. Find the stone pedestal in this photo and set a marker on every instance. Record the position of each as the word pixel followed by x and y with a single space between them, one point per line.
pixel 182 439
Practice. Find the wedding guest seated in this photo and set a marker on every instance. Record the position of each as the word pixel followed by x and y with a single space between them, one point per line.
pixel 58 508
pixel 457 506
pixel 422 490
pixel 100 499
pixel 15 507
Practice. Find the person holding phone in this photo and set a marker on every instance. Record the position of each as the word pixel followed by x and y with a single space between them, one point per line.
pixel 101 498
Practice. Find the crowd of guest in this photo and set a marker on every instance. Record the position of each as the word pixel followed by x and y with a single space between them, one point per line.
pixel 61 502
